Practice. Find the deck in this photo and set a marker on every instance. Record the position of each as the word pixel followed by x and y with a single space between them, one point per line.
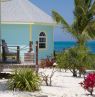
pixel 22 65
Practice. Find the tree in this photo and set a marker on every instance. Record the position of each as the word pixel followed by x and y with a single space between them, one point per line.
pixel 61 60
pixel 83 26
pixel 75 58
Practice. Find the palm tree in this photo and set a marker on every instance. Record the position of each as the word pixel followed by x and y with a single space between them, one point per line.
pixel 83 26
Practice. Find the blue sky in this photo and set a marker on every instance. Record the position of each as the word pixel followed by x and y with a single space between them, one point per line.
pixel 65 8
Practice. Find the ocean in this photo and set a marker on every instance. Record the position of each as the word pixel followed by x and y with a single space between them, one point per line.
pixel 62 45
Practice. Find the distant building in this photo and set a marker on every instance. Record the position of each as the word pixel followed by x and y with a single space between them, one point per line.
pixel 22 21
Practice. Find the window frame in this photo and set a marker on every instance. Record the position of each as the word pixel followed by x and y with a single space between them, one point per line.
pixel 44 40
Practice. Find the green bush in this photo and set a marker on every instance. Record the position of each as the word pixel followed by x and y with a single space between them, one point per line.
pixel 25 80
pixel 75 58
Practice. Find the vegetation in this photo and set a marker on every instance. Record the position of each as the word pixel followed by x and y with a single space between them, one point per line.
pixel 48 62
pixel 83 26
pixel 47 78
pixel 89 83
pixel 25 80
pixel 75 59
pixel 93 59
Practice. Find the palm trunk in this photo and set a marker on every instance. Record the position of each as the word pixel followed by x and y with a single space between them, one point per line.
pixel 81 41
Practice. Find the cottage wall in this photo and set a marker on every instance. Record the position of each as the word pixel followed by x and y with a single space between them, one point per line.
pixel 48 30
pixel 15 34
pixel 19 34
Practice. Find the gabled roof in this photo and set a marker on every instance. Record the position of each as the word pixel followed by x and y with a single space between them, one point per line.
pixel 23 11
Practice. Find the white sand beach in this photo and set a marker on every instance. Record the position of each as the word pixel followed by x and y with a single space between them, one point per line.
pixel 63 85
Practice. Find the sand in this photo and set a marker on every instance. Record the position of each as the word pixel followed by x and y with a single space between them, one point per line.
pixel 63 85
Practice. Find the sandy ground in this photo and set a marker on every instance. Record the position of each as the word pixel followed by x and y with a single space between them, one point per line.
pixel 63 85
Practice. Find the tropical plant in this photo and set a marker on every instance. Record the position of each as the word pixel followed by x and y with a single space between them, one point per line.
pixel 93 59
pixel 75 59
pixel 25 80
pixel 89 83
pixel 61 60
pixel 83 26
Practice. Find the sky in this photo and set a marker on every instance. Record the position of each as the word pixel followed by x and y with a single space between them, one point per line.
pixel 65 8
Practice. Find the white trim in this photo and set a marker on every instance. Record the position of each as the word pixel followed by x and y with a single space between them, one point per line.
pixel 34 23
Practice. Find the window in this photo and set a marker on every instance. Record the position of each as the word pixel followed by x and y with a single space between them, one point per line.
pixel 42 40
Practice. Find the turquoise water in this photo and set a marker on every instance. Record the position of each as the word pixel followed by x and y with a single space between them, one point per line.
pixel 60 45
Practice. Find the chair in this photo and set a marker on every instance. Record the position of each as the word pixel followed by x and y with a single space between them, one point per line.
pixel 6 54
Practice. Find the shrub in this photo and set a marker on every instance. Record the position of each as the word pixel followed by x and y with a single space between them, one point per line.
pixel 25 80
pixel 42 64
pixel 74 59
pixel 48 62
pixel 89 83
pixel 47 78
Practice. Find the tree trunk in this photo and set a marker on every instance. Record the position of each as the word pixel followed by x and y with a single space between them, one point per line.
pixel 74 73
pixel 79 73
pixel 81 41
pixel 90 90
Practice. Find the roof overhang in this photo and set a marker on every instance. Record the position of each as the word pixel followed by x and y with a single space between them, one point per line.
pixel 23 11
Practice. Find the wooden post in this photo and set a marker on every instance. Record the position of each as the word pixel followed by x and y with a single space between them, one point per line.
pixel 30 46
pixel 3 51
pixel 3 54
pixel 0 37
pixel 37 66
pixel 0 45
pixel 18 53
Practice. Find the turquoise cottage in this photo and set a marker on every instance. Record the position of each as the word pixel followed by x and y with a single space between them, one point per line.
pixel 22 21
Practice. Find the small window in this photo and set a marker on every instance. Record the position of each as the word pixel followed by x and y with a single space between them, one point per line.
pixel 42 40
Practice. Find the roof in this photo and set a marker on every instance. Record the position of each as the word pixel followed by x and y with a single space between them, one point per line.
pixel 23 11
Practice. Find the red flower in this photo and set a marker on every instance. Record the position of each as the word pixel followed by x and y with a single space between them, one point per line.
pixel 89 82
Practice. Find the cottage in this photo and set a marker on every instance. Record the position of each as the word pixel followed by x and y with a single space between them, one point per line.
pixel 22 21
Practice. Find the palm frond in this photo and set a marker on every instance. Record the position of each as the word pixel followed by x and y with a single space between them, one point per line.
pixel 83 26
pixel 92 9
pixel 83 14
pixel 59 19
pixel 90 30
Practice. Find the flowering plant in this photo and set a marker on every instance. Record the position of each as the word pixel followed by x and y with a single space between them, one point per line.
pixel 89 82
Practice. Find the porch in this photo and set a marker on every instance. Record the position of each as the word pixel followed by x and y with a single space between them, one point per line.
pixel 11 55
